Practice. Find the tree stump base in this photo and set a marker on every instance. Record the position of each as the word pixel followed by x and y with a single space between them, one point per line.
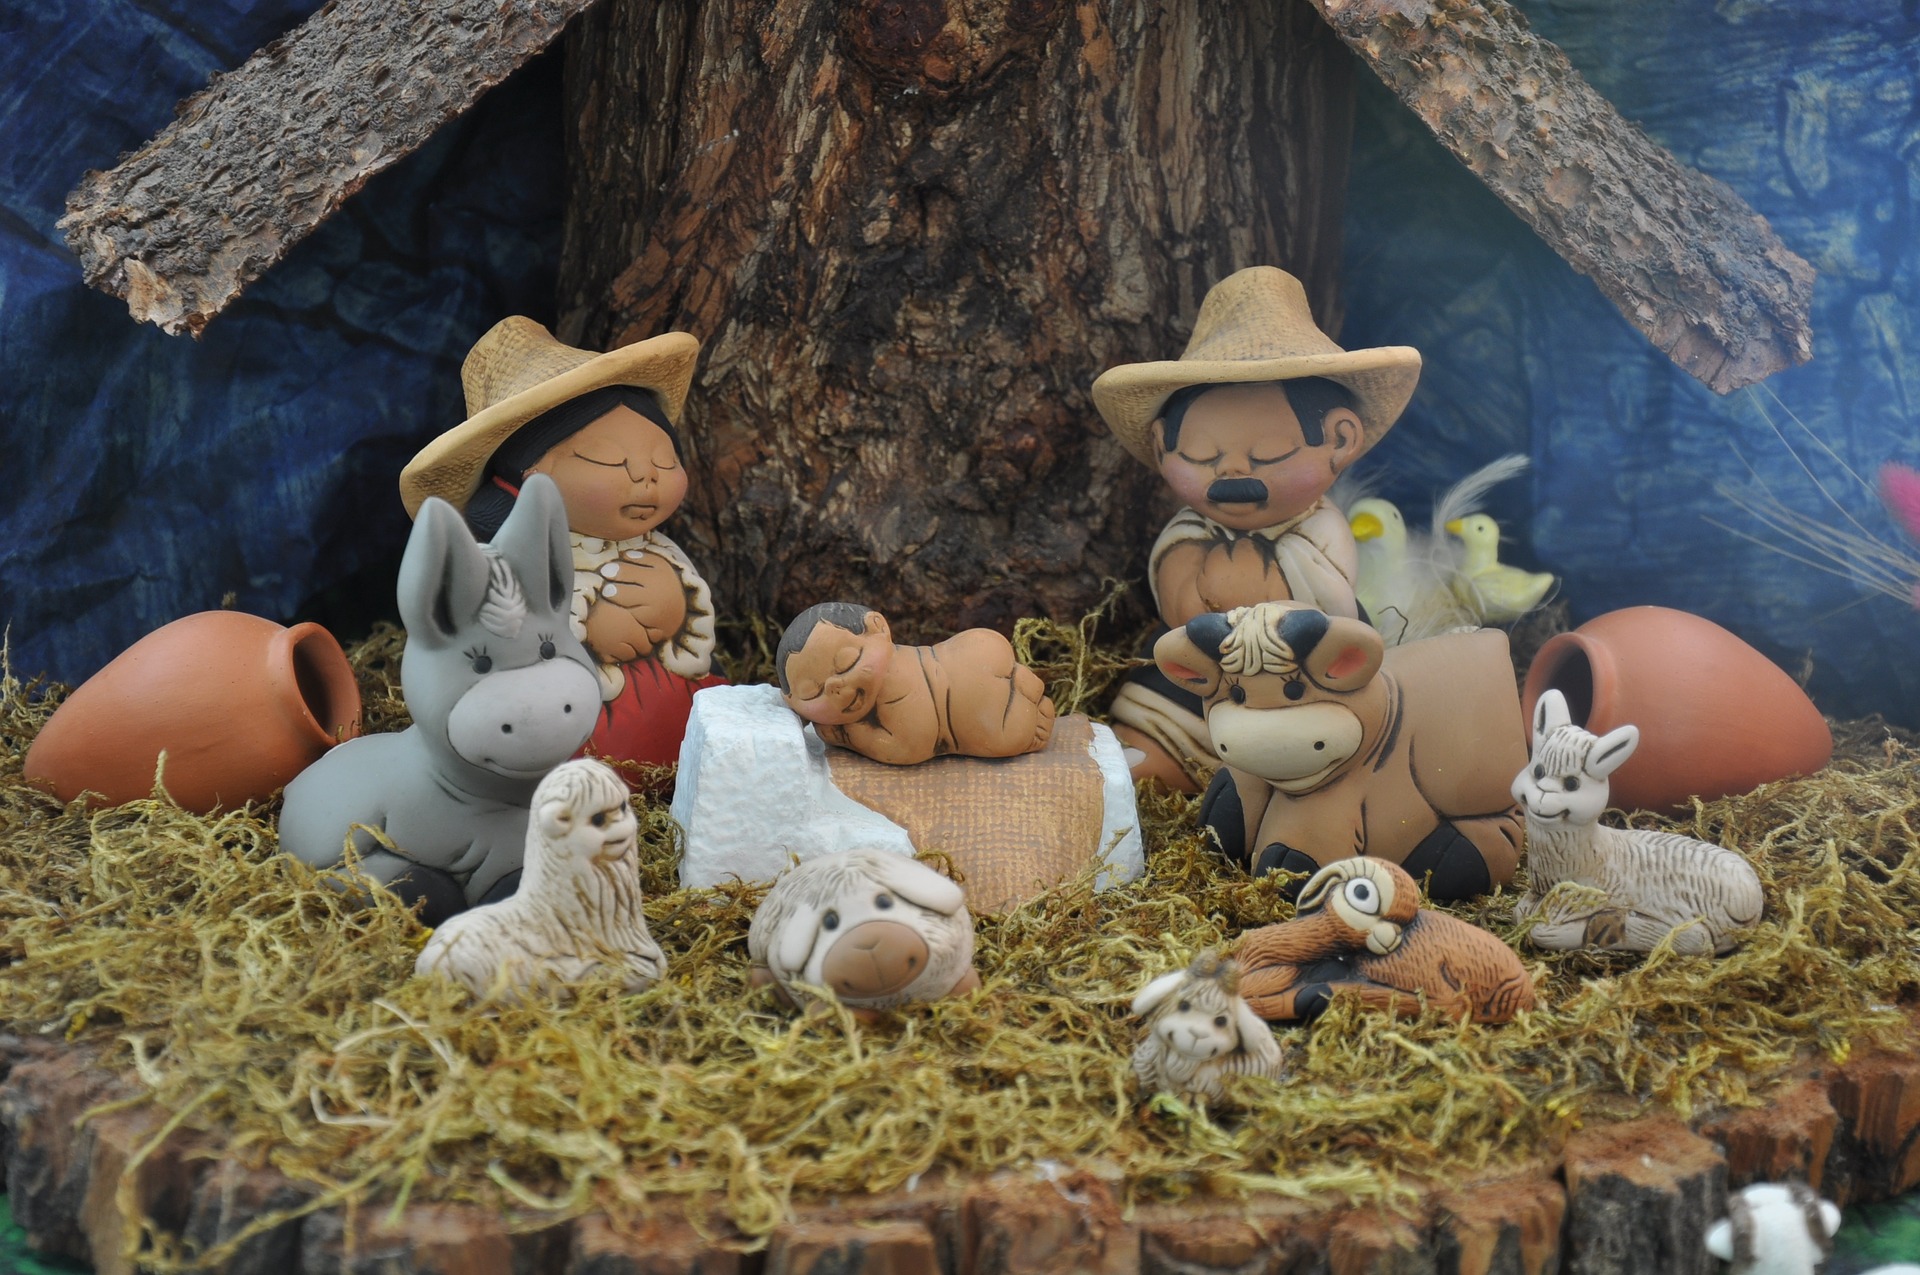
pixel 1621 1198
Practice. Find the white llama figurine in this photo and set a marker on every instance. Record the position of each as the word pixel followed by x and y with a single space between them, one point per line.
pixel 1656 883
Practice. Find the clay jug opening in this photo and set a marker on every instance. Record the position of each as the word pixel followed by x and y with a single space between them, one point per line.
pixel 326 683
pixel 1572 675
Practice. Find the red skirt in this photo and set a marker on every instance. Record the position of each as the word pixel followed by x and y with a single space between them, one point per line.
pixel 643 724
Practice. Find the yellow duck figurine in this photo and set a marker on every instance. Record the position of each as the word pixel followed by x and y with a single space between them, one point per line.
pixel 1496 591
pixel 1405 586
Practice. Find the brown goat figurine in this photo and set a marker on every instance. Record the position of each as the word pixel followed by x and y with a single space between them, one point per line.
pixel 1360 926
pixel 1335 746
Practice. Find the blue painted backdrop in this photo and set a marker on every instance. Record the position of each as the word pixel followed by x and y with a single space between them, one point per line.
pixel 151 476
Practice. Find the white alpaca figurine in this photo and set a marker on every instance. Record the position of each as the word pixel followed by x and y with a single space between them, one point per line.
pixel 1198 1029
pixel 1656 883
pixel 578 907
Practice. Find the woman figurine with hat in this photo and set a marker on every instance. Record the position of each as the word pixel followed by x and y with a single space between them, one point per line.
pixel 1249 427
pixel 602 426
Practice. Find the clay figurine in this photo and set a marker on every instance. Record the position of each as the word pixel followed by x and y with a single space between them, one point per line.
pixel 839 669
pixel 1778 1228
pixel 578 907
pixel 1656 883
pixel 602 427
pixel 877 928
pixel 1249 427
pixel 1360 927
pixel 1198 1030
pixel 1334 746
pixel 500 692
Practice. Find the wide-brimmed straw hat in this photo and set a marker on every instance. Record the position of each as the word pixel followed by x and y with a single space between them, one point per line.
pixel 1254 325
pixel 519 370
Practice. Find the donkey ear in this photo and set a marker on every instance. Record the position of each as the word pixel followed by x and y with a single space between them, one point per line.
pixel 1611 751
pixel 443 577
pixel 533 540
pixel 1186 663
pixel 1550 714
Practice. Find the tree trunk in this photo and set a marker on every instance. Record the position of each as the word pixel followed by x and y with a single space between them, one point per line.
pixel 911 233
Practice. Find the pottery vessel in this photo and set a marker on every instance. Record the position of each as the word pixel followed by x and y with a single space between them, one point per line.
pixel 239 705
pixel 1716 717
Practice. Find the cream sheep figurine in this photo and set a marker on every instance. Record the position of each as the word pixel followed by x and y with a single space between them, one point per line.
pixel 1198 1029
pixel 1655 883
pixel 578 907
pixel 876 927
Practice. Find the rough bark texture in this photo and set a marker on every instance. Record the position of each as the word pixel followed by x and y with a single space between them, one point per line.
pixel 910 233
pixel 263 155
pixel 1683 257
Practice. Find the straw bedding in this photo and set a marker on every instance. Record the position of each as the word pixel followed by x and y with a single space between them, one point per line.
pixel 247 996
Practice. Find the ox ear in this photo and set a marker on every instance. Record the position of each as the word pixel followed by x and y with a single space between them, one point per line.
pixel 534 542
pixel 920 885
pixel 1158 990
pixel 1346 656
pixel 443 577
pixel 1186 663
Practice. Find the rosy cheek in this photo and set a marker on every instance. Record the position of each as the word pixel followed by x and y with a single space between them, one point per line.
pixel 1299 482
pixel 1189 482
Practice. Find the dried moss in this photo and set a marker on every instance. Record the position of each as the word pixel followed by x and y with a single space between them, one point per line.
pixel 245 993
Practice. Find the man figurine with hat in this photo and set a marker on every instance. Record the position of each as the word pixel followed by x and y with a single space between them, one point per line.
pixel 602 426
pixel 1250 427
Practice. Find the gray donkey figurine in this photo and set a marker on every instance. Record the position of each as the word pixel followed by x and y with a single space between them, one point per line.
pixel 500 691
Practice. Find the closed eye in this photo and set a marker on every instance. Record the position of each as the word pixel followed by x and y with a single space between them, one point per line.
pixel 1195 460
pixel 595 460
pixel 1274 460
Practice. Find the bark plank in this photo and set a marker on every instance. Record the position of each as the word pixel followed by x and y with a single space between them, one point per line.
pixel 263 155
pixel 1686 260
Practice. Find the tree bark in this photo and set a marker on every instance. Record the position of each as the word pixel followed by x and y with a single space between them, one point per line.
pixel 1684 258
pixel 911 233
pixel 263 155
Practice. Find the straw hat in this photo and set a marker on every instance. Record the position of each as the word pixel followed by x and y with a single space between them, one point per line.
pixel 1254 325
pixel 519 370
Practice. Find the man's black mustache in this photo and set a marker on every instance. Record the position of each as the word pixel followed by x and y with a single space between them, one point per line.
pixel 1237 491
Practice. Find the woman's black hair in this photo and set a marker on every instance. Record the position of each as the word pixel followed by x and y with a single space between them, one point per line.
pixel 489 506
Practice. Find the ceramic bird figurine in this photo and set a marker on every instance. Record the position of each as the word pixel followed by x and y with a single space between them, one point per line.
pixel 1496 591
pixel 1406 587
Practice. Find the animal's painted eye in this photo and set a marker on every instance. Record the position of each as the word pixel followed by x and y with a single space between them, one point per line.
pixel 1185 1006
pixel 1219 1020
pixel 1363 897
pixel 483 663
pixel 1237 693
pixel 883 900
pixel 1294 689
pixel 547 648
pixel 599 819
pixel 1539 772
pixel 1572 784
pixel 831 921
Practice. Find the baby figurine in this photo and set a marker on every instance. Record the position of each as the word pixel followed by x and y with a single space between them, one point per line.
pixel 840 670
pixel 1249 428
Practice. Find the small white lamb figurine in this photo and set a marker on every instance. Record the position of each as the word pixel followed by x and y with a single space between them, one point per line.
pixel 1198 1030
pixel 878 928
pixel 1774 1229
pixel 578 907
pixel 1656 883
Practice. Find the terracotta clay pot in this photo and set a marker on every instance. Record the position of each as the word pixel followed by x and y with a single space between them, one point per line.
pixel 1716 717
pixel 240 705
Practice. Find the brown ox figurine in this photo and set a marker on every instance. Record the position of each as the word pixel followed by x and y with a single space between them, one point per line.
pixel 1361 929
pixel 1335 746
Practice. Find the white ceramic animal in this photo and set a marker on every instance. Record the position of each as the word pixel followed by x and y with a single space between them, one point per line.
pixel 1198 1030
pixel 876 927
pixel 578 907
pixel 1656 883
pixel 1774 1229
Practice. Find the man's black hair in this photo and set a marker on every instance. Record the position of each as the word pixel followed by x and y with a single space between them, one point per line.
pixel 490 505
pixel 850 616
pixel 1310 397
